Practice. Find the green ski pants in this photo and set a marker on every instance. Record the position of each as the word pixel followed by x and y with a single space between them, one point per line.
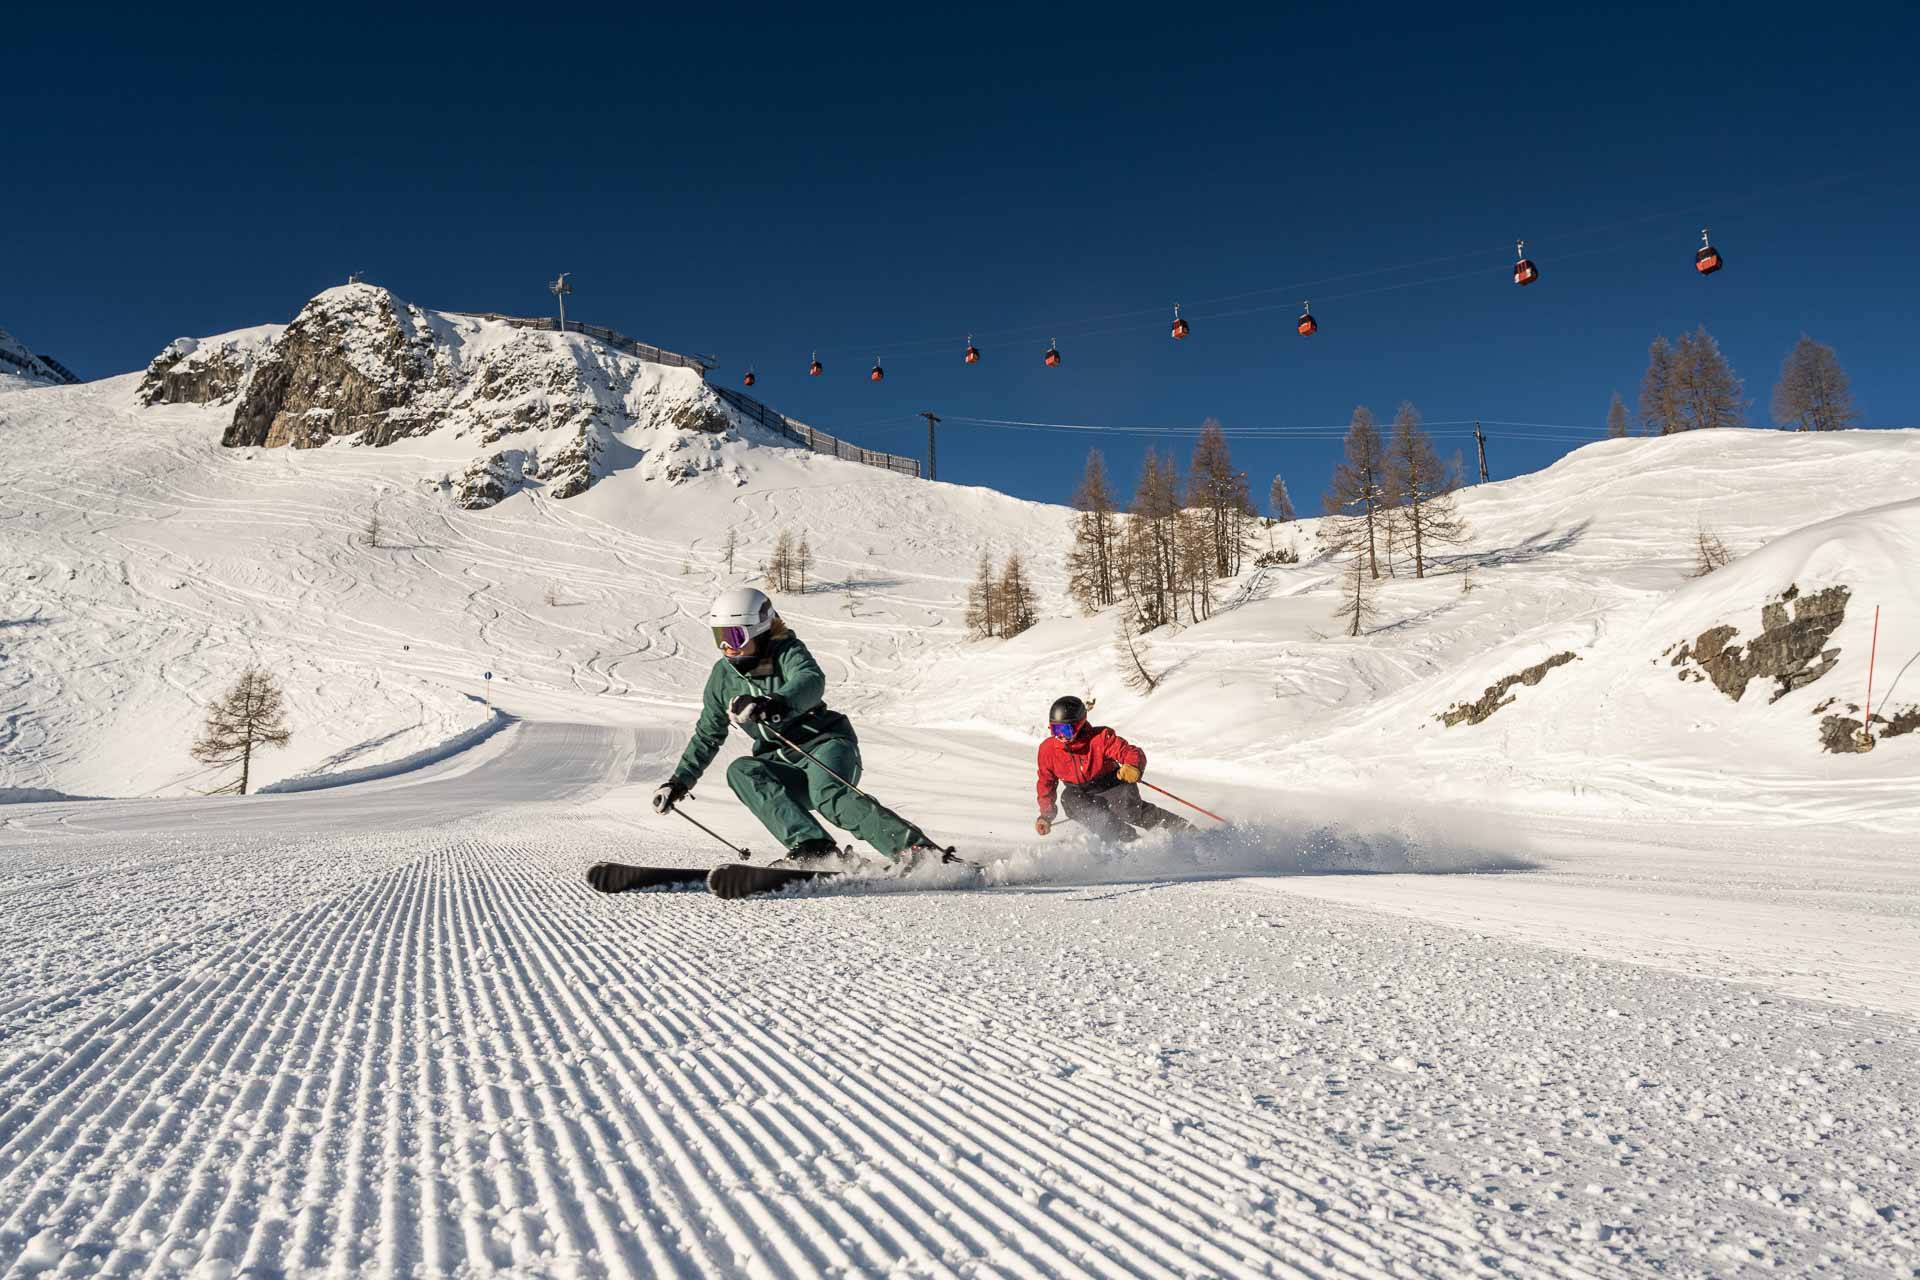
pixel 782 795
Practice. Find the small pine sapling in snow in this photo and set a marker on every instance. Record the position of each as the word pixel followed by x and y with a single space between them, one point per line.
pixel 249 716
pixel 1131 651
pixel 780 566
pixel 732 546
pixel 1356 593
pixel 550 597
pixel 983 602
pixel 373 528
pixel 1709 553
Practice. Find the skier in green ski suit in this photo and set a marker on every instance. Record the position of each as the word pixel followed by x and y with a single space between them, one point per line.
pixel 765 677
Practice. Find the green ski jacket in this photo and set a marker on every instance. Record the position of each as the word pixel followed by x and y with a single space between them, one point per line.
pixel 787 672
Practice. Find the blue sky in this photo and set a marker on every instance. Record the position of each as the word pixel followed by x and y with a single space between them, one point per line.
pixel 880 183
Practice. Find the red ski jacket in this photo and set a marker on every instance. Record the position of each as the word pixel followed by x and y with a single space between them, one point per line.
pixel 1091 753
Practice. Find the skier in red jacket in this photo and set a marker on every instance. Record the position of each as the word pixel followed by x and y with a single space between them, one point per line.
pixel 1100 773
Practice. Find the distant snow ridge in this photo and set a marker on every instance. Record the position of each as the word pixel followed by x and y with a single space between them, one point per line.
pixel 17 362
pixel 362 367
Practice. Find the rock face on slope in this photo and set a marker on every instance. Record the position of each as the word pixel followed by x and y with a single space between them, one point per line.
pixel 354 362
pixel 1790 650
pixel 359 366
pixel 190 371
pixel 1499 693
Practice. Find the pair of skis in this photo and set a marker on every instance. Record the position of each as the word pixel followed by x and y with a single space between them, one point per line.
pixel 729 880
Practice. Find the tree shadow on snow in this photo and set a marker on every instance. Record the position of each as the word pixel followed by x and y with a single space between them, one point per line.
pixel 1532 547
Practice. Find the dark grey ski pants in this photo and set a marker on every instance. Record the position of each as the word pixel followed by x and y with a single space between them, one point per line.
pixel 1111 809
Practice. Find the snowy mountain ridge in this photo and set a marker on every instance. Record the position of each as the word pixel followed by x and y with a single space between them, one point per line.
pixel 20 366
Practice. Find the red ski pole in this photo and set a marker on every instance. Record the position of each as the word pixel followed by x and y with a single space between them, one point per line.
pixel 1190 804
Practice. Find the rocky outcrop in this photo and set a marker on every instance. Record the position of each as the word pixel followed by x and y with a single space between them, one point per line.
pixel 1499 694
pixel 572 470
pixel 189 371
pixel 489 481
pixel 359 367
pixel 1841 733
pixel 353 362
pixel 1790 650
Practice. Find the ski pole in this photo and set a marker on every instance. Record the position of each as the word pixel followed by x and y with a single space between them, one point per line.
pixel 1190 804
pixel 946 855
pixel 744 855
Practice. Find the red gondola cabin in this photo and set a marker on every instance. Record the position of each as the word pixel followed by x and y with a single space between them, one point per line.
pixel 878 374
pixel 815 369
pixel 1307 326
pixel 1707 260
pixel 973 352
pixel 1053 356
pixel 1180 327
pixel 748 380
pixel 1524 272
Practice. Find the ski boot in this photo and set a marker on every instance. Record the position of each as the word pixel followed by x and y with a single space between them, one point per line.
pixel 819 854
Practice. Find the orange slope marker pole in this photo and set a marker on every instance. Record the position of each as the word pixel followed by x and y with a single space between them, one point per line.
pixel 1873 652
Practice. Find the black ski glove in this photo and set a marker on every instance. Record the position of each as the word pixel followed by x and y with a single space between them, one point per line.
pixel 668 795
pixel 747 709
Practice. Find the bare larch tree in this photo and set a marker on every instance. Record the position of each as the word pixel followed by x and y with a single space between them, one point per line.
pixel 983 602
pixel 1279 502
pixel 1358 496
pixel 803 562
pixel 1616 417
pixel 1424 514
pixel 1215 488
pixel 1015 597
pixel 1091 576
pixel 1658 415
pixel 1813 393
pixel 780 563
pixel 1708 394
pixel 249 716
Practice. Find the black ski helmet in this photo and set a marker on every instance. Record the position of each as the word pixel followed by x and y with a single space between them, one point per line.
pixel 1067 710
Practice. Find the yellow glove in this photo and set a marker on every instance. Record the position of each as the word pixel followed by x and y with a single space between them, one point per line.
pixel 1042 825
pixel 1129 773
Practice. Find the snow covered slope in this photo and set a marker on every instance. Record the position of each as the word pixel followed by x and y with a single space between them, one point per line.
pixel 1593 558
pixel 141 568
pixel 1548 1023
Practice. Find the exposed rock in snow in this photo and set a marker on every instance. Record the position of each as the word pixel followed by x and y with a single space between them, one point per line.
pixel 1498 694
pixel 360 365
pixel 1790 652
pixel 209 371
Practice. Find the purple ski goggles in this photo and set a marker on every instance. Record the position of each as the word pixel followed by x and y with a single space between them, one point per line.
pixel 734 638
pixel 1065 728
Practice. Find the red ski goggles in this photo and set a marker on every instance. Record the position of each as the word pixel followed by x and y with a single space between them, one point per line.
pixel 1065 728
pixel 734 638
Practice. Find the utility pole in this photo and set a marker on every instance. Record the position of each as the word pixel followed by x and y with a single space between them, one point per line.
pixel 1480 440
pixel 932 419
pixel 560 289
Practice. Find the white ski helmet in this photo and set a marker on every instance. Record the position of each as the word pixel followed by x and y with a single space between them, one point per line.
pixel 739 615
